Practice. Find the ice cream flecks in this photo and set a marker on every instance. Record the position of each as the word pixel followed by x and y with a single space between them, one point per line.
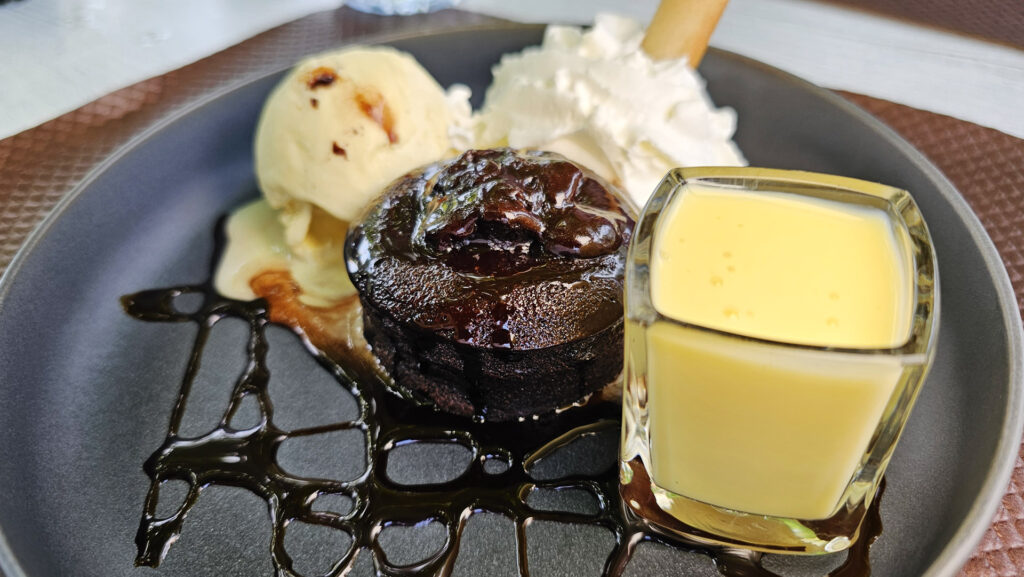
pixel 338 129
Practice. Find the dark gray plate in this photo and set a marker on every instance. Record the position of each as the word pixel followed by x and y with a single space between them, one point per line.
pixel 85 391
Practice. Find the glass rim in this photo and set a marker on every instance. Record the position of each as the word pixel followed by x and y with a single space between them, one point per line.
pixel 924 322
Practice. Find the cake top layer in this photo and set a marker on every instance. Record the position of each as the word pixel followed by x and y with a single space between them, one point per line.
pixel 496 248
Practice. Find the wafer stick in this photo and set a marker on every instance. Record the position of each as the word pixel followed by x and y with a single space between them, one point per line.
pixel 682 28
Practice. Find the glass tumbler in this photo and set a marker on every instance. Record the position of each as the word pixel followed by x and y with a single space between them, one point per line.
pixel 400 7
pixel 740 441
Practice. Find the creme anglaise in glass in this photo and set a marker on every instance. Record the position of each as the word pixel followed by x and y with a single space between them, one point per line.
pixel 779 325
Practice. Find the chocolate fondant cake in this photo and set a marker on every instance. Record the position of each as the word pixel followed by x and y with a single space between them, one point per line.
pixel 492 283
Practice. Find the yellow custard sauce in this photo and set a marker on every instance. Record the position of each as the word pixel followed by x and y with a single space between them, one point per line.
pixel 739 425
pixel 782 267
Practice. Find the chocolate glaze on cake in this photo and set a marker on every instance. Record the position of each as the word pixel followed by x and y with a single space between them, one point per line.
pixel 492 283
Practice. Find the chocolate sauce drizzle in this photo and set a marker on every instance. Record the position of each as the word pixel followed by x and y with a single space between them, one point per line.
pixel 246 458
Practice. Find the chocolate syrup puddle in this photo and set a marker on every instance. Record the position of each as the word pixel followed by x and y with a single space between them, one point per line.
pixel 246 458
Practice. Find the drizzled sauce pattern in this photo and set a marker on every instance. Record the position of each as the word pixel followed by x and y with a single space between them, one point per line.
pixel 246 458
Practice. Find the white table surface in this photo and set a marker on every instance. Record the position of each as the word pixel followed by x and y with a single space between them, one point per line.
pixel 56 55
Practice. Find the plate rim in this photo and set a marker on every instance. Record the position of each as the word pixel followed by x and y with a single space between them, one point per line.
pixel 978 518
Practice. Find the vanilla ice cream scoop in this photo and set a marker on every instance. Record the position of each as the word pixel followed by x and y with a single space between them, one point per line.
pixel 338 129
pixel 596 98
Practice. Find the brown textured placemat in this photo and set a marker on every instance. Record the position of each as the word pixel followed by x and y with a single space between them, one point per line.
pixel 39 166
pixel 998 20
